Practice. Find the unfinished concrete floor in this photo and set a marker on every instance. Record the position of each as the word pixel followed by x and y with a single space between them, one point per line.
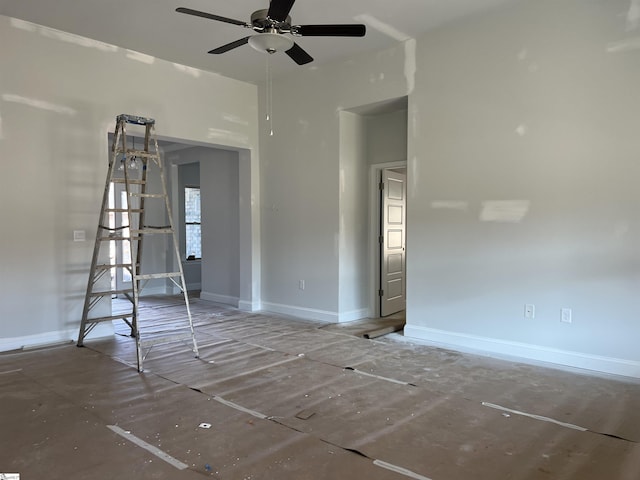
pixel 287 399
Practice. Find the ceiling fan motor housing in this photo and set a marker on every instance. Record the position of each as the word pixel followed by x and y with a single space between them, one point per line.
pixel 261 22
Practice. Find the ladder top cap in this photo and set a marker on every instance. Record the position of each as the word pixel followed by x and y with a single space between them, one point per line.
pixel 135 119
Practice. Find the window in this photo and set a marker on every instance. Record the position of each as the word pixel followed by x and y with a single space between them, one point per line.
pixel 192 223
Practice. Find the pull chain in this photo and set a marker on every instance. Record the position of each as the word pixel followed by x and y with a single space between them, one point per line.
pixel 269 97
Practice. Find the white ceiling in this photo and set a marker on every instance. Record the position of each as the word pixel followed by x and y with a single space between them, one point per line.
pixel 154 28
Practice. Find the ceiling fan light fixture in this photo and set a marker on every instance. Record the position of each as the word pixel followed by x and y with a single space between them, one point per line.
pixel 270 42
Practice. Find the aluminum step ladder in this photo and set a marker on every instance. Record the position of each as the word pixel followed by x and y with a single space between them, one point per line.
pixel 141 173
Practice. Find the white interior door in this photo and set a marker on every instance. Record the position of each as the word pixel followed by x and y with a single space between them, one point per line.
pixel 392 242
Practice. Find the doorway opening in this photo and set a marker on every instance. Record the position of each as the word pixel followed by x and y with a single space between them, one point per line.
pixel 119 252
pixel 387 239
pixel 373 137
pixel 228 222
pixel 386 139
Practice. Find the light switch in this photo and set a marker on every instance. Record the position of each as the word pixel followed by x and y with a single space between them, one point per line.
pixel 79 236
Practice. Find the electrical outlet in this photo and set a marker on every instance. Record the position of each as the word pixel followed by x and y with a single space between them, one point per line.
pixel 529 311
pixel 301 284
pixel 565 315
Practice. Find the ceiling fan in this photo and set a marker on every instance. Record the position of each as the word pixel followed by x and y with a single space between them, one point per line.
pixel 273 25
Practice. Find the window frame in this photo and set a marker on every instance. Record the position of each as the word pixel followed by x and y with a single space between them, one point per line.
pixel 189 223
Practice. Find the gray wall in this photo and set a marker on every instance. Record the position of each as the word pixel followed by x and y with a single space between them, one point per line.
pixel 313 189
pixel 365 140
pixel 59 97
pixel 522 160
pixel 220 229
pixel 387 137
pixel 527 106
pixel 217 172
pixel 353 227
pixel 188 176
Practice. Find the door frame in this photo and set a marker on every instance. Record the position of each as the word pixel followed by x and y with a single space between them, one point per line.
pixel 374 232
pixel 249 214
pixel 246 287
pixel 119 194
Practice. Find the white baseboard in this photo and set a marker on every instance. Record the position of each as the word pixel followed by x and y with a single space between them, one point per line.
pixel 224 299
pixel 301 312
pixel 102 330
pixel 515 350
pixel 353 315
pixel 249 306
pixel 315 314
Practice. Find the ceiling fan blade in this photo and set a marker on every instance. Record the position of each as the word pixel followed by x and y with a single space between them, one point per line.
pixel 230 46
pixel 279 9
pixel 298 55
pixel 345 30
pixel 210 16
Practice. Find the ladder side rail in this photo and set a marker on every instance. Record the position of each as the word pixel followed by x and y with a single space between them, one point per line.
pixel 88 304
pixel 147 136
pixel 175 243
pixel 141 206
pixel 135 189
pixel 134 248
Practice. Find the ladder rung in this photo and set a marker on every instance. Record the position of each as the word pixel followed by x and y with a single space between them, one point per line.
pixel 138 153
pixel 122 316
pixel 118 237
pixel 146 195
pixel 124 180
pixel 109 266
pixel 111 292
pixel 124 210
pixel 152 230
pixel 114 229
pixel 149 276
